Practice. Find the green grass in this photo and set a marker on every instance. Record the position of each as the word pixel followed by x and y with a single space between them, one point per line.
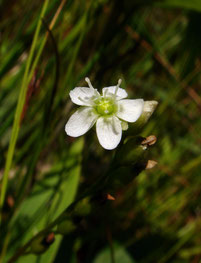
pixel 154 46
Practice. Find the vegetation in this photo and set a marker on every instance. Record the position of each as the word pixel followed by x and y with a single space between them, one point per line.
pixel 67 199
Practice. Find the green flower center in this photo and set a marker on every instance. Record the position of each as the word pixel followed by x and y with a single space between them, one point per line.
pixel 105 106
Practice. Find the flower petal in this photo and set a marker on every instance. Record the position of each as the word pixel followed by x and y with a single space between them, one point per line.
pixel 121 93
pixel 130 110
pixel 80 122
pixel 109 132
pixel 83 96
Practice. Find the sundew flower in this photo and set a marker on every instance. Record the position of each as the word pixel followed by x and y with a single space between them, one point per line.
pixel 111 112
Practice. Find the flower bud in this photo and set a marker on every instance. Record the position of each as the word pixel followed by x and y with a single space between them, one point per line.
pixel 129 161
pixel 82 208
pixel 130 152
pixel 148 109
pixel 65 227
pixel 41 244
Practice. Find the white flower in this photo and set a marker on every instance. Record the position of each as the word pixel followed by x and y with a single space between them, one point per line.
pixel 110 111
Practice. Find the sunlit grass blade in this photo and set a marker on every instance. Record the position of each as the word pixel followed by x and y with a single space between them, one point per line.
pixel 20 104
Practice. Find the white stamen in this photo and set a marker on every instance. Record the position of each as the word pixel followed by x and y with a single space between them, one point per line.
pixel 89 83
pixel 96 93
pixel 118 84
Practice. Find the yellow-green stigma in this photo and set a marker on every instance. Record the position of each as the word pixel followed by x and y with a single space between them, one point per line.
pixel 105 106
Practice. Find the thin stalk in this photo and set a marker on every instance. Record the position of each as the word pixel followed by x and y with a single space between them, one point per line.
pixel 109 237
pixel 54 19
pixel 20 104
pixel 5 246
pixel 75 53
pixel 29 78
pixel 47 115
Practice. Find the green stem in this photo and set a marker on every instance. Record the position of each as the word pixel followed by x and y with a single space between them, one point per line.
pixel 74 55
pixel 35 62
pixel 20 104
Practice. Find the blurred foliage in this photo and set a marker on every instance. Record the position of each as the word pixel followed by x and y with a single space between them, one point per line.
pixel 154 46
